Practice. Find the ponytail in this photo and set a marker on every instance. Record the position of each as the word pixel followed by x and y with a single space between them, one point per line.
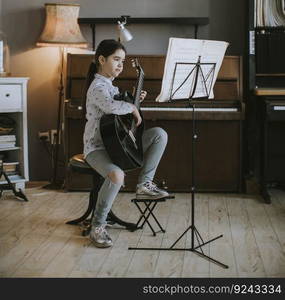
pixel 89 78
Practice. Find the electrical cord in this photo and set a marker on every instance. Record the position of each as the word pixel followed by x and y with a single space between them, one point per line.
pixel 50 148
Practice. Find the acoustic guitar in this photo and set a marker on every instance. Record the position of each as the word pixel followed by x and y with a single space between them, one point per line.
pixel 121 137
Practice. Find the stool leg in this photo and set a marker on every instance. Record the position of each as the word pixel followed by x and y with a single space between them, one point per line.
pixel 88 223
pixel 141 217
pixel 97 183
pixel 150 212
pixel 145 219
pixel 148 209
pixel 113 218
pixel 90 208
pixel 98 180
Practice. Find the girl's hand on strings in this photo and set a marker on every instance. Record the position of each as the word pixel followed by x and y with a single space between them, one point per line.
pixel 143 95
pixel 137 116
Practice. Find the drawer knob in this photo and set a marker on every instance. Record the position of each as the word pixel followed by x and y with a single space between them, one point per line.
pixel 7 95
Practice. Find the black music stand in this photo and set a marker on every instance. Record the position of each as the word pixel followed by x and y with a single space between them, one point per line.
pixel 196 77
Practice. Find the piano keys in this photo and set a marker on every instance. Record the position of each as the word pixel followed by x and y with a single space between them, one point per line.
pixel 275 109
pixel 198 109
pixel 204 110
pixel 278 107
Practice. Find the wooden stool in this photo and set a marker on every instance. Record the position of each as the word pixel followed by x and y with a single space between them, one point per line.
pixel 78 164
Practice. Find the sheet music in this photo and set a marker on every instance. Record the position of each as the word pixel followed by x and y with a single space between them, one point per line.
pixel 188 51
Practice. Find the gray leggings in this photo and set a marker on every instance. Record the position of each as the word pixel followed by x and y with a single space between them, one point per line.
pixel 154 141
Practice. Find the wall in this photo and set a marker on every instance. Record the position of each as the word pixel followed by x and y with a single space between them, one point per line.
pixel 148 39
pixel 0 13
pixel 228 23
pixel 23 21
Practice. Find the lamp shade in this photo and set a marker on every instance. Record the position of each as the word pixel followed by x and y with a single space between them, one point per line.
pixel 61 26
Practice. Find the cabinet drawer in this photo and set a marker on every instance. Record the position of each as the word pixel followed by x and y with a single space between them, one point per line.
pixel 10 97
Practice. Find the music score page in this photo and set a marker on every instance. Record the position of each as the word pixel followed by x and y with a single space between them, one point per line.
pixel 182 55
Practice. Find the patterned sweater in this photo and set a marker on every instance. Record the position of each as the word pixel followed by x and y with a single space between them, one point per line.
pixel 100 101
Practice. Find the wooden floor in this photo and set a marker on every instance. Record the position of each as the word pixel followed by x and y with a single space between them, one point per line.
pixel 36 242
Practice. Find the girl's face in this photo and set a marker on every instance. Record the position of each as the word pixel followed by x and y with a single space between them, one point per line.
pixel 112 66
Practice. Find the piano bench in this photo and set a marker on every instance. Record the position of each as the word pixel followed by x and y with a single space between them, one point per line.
pixel 147 211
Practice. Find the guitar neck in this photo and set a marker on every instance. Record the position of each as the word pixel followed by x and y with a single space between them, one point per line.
pixel 138 90
pixel 137 102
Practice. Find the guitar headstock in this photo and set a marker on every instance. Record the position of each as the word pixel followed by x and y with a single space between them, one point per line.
pixel 137 66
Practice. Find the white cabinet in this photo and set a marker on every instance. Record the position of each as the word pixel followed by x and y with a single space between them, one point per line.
pixel 13 104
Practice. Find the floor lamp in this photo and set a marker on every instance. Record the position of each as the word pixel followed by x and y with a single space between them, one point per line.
pixel 61 30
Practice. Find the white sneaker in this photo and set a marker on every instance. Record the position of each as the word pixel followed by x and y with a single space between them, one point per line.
pixel 100 238
pixel 149 190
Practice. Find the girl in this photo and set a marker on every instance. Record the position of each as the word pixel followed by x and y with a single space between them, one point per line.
pixel 109 59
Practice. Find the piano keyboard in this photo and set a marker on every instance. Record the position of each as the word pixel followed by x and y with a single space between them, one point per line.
pixel 206 109
pixel 278 107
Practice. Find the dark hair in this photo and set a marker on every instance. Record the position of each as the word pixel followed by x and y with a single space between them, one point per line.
pixel 105 48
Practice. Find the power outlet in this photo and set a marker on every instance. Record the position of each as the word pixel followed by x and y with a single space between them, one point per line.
pixel 53 133
pixel 44 136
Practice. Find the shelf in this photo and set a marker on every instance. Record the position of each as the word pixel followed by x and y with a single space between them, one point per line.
pixel 269 91
pixel 270 28
pixel 15 151
pixel 13 179
pixel 194 21
pixel 270 74
pixel 12 111
pixel 130 20
pixel 8 149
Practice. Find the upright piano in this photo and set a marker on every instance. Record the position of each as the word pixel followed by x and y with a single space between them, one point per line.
pixel 271 145
pixel 219 125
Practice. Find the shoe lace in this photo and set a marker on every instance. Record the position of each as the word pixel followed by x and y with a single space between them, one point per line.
pixel 100 229
pixel 151 185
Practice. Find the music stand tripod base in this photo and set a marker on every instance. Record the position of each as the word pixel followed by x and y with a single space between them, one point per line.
pixel 192 249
